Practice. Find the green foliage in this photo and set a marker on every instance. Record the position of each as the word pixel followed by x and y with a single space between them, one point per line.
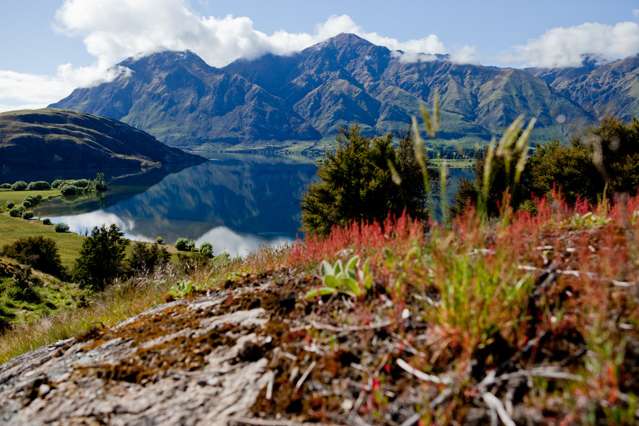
pixel 146 258
pixel 39 185
pixel 19 186
pixel 159 240
pixel 365 179
pixel 349 279
pixel 10 204
pixel 184 244
pixel 61 228
pixel 102 258
pixel 206 249
pixel 182 289
pixel 23 286
pixel 28 215
pixel 5 186
pixel 81 183
pixel 606 158
pixel 16 211
pixel 57 183
pixel 38 252
pixel 69 190
pixel 46 221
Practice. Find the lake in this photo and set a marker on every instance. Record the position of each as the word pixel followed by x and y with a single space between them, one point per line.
pixel 236 203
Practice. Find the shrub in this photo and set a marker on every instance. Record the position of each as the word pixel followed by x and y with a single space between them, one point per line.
pixel 28 215
pixel 5 186
pixel 57 183
pixel 607 157
pixel 23 286
pixel 31 201
pixel 46 221
pixel 206 249
pixel 38 252
pixel 81 183
pixel 19 186
pixel 68 190
pixel 10 204
pixel 102 258
pixel 364 180
pixel 146 258
pixel 16 212
pixel 38 186
pixel 61 228
pixel 184 244
pixel 159 240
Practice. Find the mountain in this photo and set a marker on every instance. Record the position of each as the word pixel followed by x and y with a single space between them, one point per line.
pixel 308 96
pixel 44 143
pixel 610 89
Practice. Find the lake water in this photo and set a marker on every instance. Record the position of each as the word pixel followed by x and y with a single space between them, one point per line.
pixel 235 203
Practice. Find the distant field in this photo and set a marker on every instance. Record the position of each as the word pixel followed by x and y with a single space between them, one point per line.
pixel 68 244
pixel 18 196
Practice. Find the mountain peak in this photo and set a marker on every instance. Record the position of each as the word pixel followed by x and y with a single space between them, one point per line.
pixel 342 41
pixel 164 58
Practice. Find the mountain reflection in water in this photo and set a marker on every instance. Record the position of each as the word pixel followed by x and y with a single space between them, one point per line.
pixel 236 204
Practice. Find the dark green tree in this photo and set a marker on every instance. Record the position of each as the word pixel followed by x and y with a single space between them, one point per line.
pixel 38 252
pixel 102 258
pixel 606 159
pixel 145 258
pixel 356 183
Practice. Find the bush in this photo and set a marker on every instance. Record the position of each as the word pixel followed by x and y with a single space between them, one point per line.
pixel 159 240
pixel 5 186
pixel 46 221
pixel 145 258
pixel 102 258
pixel 69 190
pixel 206 249
pixel 81 183
pixel 57 183
pixel 184 244
pixel 61 228
pixel 19 186
pixel 10 204
pixel 23 286
pixel 608 155
pixel 16 212
pixel 28 215
pixel 356 183
pixel 38 252
pixel 31 201
pixel 38 186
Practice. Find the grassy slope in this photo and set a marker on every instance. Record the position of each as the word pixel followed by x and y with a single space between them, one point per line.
pixel 11 229
pixel 17 197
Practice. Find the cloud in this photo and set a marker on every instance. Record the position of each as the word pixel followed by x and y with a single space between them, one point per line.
pixel 113 30
pixel 567 46
pixel 635 13
pixel 465 55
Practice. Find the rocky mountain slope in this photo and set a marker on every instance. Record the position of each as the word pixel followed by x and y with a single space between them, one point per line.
pixel 40 142
pixel 309 95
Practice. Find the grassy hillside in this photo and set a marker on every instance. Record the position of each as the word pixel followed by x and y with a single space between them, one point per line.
pixel 40 144
pixel 17 197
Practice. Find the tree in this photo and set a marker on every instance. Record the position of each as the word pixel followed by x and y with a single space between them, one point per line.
pixel 357 183
pixel 605 160
pixel 38 252
pixel 102 258
pixel 146 258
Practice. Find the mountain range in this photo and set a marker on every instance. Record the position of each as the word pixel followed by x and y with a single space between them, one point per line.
pixel 278 101
pixel 44 144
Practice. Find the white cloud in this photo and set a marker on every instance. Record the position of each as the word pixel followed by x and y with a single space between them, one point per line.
pixel 113 30
pixel 567 46
pixel 465 55
pixel 635 13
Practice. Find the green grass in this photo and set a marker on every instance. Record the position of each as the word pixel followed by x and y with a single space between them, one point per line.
pixel 11 229
pixel 17 197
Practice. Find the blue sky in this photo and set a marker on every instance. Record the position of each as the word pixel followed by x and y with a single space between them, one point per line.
pixel 51 46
